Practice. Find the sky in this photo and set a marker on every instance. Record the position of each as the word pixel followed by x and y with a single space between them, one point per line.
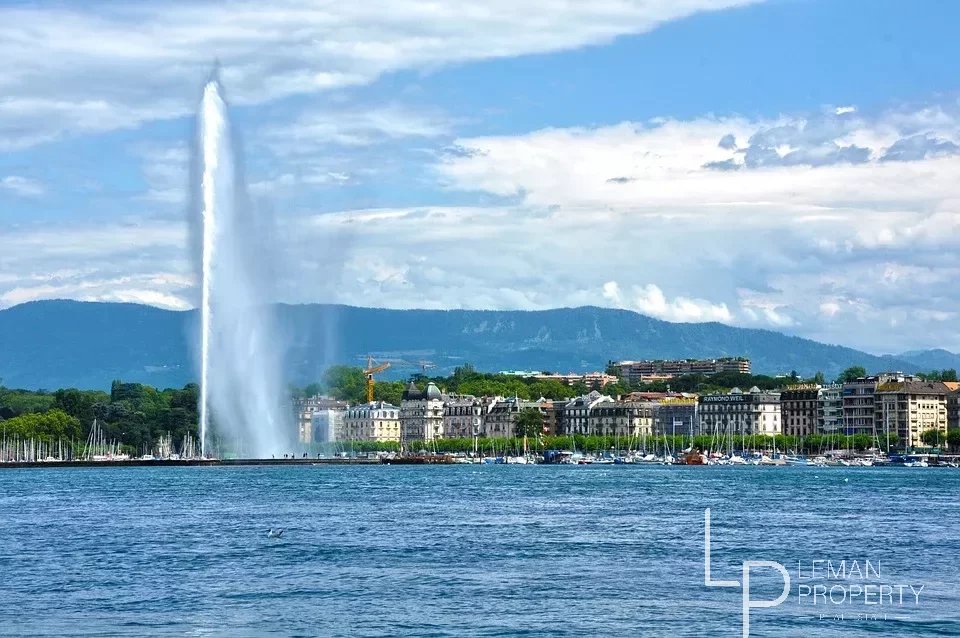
pixel 791 165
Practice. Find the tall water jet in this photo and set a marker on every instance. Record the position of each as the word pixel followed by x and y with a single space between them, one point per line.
pixel 240 387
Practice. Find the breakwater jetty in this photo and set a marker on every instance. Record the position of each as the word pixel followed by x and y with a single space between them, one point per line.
pixel 187 462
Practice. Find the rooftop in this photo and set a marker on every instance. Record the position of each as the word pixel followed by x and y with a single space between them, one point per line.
pixel 914 387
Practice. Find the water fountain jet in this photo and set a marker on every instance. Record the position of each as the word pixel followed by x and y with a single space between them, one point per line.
pixel 240 387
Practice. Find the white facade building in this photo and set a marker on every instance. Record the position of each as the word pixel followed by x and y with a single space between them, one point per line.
pixel 740 413
pixel 421 413
pixel 463 416
pixel 576 414
pixel 377 421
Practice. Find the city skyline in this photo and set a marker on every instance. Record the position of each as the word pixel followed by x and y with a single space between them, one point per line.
pixel 801 179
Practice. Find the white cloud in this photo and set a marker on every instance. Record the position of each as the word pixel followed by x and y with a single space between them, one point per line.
pixel 794 245
pixel 165 170
pixel 353 127
pixel 143 262
pixel 627 216
pixel 21 186
pixel 102 66
pixel 116 290
pixel 650 300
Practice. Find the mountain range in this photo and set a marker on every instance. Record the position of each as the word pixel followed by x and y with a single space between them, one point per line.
pixel 59 343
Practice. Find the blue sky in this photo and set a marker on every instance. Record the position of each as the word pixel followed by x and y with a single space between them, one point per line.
pixel 785 164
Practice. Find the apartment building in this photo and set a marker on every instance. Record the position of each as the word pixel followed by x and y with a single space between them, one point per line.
pixel 621 418
pixel 576 413
pixel 911 408
pixel 676 416
pixel 859 406
pixel 376 421
pixel 593 380
pixel 953 405
pixel 554 419
pixel 463 416
pixel 305 408
pixel 501 419
pixel 638 371
pixel 830 409
pixel 799 408
pixel 740 413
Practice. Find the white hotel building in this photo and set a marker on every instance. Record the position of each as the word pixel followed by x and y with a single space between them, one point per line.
pixel 738 412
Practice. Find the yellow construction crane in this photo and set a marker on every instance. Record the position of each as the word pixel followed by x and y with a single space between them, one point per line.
pixel 373 368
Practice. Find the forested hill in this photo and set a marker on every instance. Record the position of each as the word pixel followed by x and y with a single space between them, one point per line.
pixel 51 344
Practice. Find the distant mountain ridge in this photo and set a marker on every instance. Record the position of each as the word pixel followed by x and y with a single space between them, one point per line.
pixel 60 343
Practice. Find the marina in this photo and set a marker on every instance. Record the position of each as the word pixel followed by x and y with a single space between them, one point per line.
pixel 550 457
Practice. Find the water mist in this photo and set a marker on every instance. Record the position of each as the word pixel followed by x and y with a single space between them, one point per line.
pixel 240 353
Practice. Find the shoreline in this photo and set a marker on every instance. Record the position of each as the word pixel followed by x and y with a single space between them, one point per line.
pixel 186 463
pixel 11 465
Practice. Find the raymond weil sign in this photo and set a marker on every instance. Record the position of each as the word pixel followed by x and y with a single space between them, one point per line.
pixel 725 398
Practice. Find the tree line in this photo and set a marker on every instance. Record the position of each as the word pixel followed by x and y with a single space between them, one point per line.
pixel 134 414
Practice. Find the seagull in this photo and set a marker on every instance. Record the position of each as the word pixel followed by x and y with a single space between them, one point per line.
pixel 275 533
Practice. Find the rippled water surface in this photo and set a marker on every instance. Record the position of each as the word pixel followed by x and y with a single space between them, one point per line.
pixel 469 550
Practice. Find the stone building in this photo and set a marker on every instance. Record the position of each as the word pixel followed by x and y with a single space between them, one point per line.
pixel 621 418
pixel 463 416
pixel 377 421
pixel 576 413
pixel 799 410
pixel 501 420
pixel 421 413
pixel 740 413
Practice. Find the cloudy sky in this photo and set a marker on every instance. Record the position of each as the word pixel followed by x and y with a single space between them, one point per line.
pixel 786 164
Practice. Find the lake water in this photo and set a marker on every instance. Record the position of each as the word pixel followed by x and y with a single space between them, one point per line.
pixel 472 550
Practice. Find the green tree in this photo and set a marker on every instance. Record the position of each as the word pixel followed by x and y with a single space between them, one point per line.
pixel 79 403
pixel 312 389
pixel 550 389
pixel 461 374
pixel 953 439
pixel 948 375
pixel 933 438
pixel 50 425
pixel 347 383
pixel 617 389
pixel 389 391
pixel 852 373
pixel 16 402
pixel 529 423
